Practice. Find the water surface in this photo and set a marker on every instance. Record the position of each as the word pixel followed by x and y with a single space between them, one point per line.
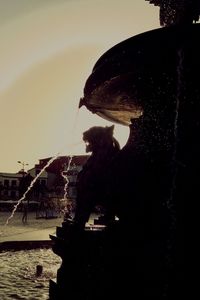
pixel 18 278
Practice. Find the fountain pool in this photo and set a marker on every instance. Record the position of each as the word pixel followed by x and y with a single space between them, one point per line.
pixel 18 274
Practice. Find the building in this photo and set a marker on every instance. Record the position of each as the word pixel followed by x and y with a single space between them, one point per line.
pixel 9 185
pixel 62 174
pixel 54 186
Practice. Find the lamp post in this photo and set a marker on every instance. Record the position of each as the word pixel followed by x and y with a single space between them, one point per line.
pixel 23 165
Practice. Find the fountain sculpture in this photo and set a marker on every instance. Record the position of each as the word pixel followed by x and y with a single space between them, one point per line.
pixel 148 83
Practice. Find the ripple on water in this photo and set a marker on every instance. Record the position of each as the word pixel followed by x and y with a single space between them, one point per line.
pixel 17 272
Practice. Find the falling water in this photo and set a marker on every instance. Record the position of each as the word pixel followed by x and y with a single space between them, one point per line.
pixel 65 176
pixel 30 187
pixel 64 173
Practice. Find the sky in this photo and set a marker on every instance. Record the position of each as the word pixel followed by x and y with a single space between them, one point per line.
pixel 47 51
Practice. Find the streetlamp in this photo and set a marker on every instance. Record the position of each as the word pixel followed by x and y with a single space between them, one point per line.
pixel 23 165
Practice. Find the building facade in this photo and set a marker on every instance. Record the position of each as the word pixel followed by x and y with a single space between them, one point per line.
pixel 9 185
pixel 55 185
pixel 62 174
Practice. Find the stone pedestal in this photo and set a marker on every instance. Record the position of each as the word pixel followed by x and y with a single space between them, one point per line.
pixel 82 269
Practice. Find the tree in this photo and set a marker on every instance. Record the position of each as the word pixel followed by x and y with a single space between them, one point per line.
pixel 177 11
pixel 23 187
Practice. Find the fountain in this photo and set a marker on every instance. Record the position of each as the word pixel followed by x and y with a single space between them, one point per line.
pixel 149 83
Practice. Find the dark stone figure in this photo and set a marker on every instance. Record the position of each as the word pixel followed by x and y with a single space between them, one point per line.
pixel 93 181
pixel 129 256
pixel 148 82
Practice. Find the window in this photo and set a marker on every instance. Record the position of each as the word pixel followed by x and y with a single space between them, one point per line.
pixel 13 194
pixel 43 182
pixel 6 182
pixel 13 183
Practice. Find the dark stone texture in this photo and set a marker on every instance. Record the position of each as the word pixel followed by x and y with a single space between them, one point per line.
pixel 149 83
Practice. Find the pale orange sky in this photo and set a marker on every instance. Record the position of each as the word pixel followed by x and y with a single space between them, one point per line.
pixel 48 49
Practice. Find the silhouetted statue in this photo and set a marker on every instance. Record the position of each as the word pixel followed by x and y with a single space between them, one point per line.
pixel 92 181
pixel 147 82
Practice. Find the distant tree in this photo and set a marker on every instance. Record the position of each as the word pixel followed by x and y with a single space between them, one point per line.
pixel 24 184
pixel 23 187
pixel 177 11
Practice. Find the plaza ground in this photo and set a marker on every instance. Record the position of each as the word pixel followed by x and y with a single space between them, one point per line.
pixel 34 229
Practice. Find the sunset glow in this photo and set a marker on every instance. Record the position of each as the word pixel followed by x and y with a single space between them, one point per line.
pixel 48 50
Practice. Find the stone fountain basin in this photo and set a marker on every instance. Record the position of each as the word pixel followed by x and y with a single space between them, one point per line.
pixel 143 73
